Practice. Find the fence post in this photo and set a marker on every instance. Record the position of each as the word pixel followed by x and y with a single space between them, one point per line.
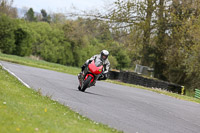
pixel 182 90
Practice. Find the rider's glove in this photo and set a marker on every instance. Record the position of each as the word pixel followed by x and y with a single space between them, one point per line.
pixel 104 72
pixel 88 62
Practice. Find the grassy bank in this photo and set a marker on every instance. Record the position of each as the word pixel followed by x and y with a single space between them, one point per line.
pixel 178 96
pixel 39 63
pixel 24 110
pixel 73 70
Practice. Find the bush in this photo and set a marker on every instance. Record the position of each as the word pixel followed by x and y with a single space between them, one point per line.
pixel 113 62
pixel 23 40
pixel 7 28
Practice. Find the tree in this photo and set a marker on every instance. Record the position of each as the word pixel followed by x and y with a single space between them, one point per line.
pixel 58 18
pixel 147 28
pixel 124 16
pixel 49 43
pixel 23 40
pixel 45 17
pixel 44 14
pixel 113 62
pixel 6 8
pixel 161 44
pixel 122 59
pixel 7 28
pixel 181 57
pixel 30 15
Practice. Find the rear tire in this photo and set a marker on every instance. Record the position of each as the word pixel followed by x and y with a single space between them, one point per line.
pixel 86 83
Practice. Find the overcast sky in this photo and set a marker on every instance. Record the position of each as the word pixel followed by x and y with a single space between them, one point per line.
pixel 60 5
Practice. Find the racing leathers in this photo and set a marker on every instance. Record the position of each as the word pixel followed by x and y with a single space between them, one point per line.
pixel 106 65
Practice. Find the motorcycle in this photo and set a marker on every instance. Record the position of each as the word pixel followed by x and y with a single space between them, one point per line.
pixel 91 73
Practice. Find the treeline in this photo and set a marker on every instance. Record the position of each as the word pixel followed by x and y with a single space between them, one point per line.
pixel 58 40
pixel 163 34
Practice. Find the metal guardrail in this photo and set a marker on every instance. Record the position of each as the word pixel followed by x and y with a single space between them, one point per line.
pixel 197 93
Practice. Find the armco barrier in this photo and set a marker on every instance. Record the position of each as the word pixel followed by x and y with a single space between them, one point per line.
pixel 134 78
pixel 197 93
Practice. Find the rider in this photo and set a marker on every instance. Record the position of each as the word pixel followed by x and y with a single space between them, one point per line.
pixel 103 56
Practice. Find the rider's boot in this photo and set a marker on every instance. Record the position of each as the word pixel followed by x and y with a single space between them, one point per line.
pixel 79 75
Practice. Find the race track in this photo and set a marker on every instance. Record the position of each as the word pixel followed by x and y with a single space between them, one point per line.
pixel 124 108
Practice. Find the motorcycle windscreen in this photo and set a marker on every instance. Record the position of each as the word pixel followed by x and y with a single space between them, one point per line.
pixel 94 69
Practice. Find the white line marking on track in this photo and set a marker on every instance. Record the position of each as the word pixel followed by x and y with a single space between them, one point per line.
pixel 15 76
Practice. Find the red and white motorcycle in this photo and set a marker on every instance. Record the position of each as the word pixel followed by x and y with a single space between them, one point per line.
pixel 90 74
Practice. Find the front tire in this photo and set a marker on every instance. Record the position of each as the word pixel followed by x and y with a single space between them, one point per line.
pixel 79 88
pixel 86 83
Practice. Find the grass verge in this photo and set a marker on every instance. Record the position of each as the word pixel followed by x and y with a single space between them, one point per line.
pixel 39 63
pixel 178 96
pixel 24 110
pixel 73 70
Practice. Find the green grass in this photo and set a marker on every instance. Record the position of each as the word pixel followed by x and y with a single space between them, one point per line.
pixel 40 64
pixel 73 70
pixel 24 110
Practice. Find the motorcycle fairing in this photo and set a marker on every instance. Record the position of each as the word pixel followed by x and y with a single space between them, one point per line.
pixel 94 69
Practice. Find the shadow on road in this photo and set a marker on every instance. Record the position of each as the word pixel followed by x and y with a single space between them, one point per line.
pixel 86 92
pixel 93 94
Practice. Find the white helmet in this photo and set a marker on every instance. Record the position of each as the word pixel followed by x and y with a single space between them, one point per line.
pixel 104 54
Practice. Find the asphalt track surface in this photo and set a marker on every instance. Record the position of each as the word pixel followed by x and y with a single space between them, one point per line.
pixel 128 109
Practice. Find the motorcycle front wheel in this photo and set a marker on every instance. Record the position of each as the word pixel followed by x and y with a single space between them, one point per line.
pixel 85 84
